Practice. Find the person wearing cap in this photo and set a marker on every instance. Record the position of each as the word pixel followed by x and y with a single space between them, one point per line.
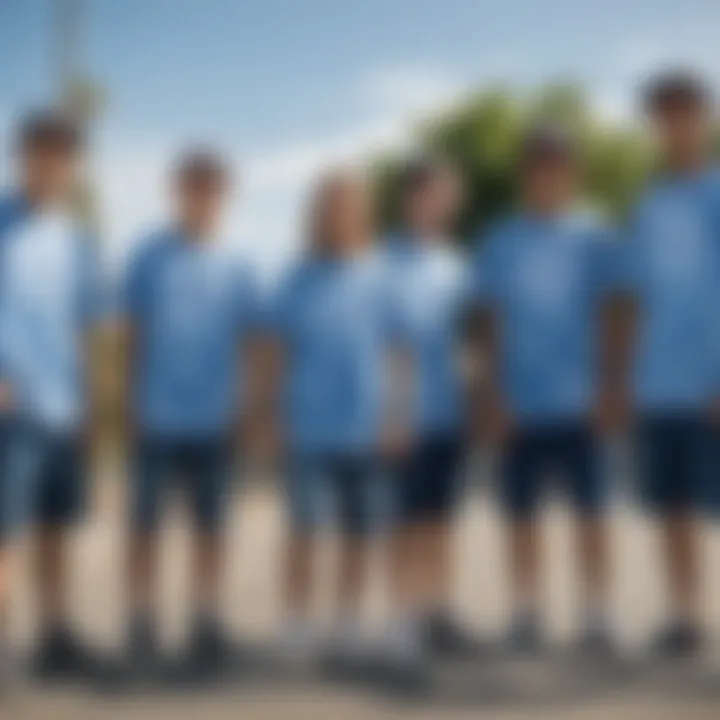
pixel 50 296
pixel 190 310
pixel 429 280
pixel 670 270
pixel 540 280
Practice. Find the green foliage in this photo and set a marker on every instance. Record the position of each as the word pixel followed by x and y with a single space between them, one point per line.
pixel 482 136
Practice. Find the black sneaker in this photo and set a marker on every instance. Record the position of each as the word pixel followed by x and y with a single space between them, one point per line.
pixel 444 638
pixel 524 637
pixel 405 679
pixel 677 641
pixel 209 649
pixel 60 656
pixel 142 656
pixel 596 643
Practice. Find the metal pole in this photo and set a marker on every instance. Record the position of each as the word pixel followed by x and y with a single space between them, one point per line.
pixel 68 41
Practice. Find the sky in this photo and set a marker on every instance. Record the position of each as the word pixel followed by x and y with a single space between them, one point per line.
pixel 287 87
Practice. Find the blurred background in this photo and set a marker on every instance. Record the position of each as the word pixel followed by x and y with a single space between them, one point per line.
pixel 287 88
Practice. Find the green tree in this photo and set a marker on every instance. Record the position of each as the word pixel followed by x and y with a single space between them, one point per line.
pixel 482 136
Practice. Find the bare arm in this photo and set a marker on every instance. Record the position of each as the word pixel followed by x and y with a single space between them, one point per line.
pixel 618 329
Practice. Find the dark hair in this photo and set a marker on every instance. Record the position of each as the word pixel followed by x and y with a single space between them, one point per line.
pixel 419 173
pixel 202 167
pixel 677 87
pixel 547 142
pixel 49 129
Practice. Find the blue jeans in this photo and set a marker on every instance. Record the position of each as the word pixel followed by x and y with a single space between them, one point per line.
pixel 200 468
pixel 42 476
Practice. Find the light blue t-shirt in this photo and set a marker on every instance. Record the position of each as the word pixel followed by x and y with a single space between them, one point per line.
pixel 191 305
pixel 50 291
pixel 671 261
pixel 429 286
pixel 332 319
pixel 545 278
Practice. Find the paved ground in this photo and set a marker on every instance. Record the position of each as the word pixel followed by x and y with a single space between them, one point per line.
pixel 555 688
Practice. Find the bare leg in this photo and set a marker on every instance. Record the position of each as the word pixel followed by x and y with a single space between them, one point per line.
pixel 299 574
pixel 679 538
pixel 51 564
pixel 142 570
pixel 525 563
pixel 208 563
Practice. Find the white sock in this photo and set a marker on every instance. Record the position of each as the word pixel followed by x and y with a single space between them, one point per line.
pixel 299 632
pixel 348 636
pixel 405 637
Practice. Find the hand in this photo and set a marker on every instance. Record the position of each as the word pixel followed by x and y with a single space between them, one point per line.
pixel 396 440
pixel 495 423
pixel 714 410
pixel 262 438
pixel 612 412
pixel 7 399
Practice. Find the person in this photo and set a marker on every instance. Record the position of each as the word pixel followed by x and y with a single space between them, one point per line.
pixel 540 283
pixel 332 337
pixel 50 297
pixel 430 282
pixel 670 267
pixel 190 310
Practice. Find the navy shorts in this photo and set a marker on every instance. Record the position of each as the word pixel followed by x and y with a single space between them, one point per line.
pixel 678 463
pixel 347 490
pixel 565 454
pixel 201 469
pixel 42 476
pixel 428 480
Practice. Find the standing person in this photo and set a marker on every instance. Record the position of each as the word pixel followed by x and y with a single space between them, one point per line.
pixel 430 283
pixel 332 333
pixel 190 309
pixel 49 298
pixel 539 283
pixel 672 262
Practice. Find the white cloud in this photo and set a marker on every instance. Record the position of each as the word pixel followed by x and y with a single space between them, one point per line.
pixel 266 218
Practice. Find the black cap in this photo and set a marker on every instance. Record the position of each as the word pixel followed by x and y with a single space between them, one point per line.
pixel 202 166
pixel 51 129
pixel 675 87
pixel 548 142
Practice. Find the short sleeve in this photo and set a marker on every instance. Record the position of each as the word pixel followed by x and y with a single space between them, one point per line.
pixel 94 297
pixel 277 306
pixel 248 301
pixel 623 264
pixel 135 284
pixel 485 277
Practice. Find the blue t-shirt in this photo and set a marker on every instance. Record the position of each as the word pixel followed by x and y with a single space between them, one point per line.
pixel 429 285
pixel 671 261
pixel 50 291
pixel 545 278
pixel 191 306
pixel 331 316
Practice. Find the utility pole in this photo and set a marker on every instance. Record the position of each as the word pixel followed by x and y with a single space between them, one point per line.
pixel 75 93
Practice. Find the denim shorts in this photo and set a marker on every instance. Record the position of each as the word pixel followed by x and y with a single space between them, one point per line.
pixel 42 476
pixel 564 453
pixel 347 490
pixel 200 469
